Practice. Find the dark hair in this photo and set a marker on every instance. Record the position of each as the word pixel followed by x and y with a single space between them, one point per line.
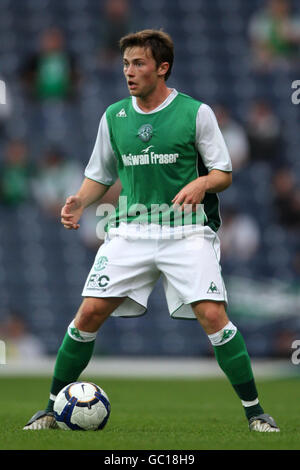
pixel 159 42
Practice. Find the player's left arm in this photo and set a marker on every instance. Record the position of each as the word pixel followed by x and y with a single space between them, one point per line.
pixel 214 153
pixel 217 181
pixel 194 192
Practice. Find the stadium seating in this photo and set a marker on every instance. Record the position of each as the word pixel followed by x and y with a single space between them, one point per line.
pixel 43 267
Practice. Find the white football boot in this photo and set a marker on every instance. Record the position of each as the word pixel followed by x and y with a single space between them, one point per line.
pixel 42 420
pixel 263 423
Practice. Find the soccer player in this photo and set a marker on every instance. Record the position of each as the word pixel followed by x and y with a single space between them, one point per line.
pixel 170 156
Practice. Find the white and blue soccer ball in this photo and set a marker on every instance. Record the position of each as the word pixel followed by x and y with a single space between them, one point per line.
pixel 82 406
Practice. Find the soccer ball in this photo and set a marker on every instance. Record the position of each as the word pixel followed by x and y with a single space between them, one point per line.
pixel 82 406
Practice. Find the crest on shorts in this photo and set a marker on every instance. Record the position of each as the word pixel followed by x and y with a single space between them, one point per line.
pixel 145 132
pixel 101 263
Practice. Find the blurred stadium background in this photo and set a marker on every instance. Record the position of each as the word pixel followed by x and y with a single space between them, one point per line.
pixel 47 132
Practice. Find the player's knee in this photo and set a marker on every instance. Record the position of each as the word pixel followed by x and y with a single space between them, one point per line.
pixel 90 315
pixel 211 315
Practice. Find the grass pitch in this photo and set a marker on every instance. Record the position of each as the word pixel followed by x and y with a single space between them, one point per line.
pixel 155 414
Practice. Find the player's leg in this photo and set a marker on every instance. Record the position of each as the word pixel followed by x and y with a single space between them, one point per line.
pixel 192 278
pixel 77 347
pixel 75 352
pixel 233 358
pixel 112 279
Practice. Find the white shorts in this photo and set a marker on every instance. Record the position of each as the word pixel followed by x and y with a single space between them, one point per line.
pixel 128 265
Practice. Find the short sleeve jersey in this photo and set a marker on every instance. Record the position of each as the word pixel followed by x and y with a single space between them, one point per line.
pixel 155 155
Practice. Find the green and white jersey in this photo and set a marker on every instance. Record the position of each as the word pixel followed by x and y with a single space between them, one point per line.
pixel 155 155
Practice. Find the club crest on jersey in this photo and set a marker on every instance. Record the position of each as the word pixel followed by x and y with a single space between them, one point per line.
pixel 145 132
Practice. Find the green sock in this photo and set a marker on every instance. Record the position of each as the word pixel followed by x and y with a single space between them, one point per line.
pixel 72 358
pixel 234 360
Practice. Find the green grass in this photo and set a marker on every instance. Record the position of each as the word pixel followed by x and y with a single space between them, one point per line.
pixel 155 414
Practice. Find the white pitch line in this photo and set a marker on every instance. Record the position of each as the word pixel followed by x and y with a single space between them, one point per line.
pixel 150 368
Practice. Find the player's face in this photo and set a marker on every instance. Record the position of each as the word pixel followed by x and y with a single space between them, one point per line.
pixel 141 71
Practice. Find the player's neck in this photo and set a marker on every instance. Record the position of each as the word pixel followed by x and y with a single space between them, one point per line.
pixel 154 99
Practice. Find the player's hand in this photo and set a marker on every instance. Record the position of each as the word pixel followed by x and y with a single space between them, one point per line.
pixel 190 195
pixel 71 213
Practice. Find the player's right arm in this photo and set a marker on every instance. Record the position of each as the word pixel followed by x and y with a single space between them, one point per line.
pixel 89 192
pixel 100 173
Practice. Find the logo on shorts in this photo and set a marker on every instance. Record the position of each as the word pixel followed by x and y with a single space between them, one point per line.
pixel 101 263
pixel 97 281
pixel 213 289
pixel 145 132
